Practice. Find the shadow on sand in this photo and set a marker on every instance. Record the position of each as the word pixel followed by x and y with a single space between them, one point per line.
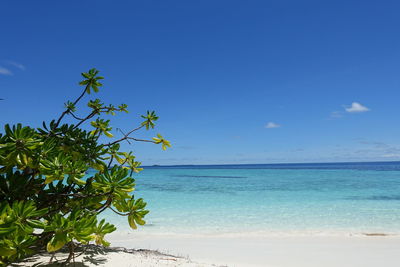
pixel 87 255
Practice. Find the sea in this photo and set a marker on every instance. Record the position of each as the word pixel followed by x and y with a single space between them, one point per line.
pixel 270 199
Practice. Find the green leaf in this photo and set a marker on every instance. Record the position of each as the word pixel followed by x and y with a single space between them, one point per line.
pixel 131 221
pixel 79 181
pixel 57 242
pixel 108 134
pixel 35 223
pixel 7 251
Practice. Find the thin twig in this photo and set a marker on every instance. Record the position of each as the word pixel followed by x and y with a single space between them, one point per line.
pixel 122 214
pixel 91 115
pixel 76 117
pixel 126 137
pixel 68 109
pixel 129 138
pixel 109 164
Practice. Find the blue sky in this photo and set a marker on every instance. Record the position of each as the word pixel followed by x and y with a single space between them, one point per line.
pixel 232 81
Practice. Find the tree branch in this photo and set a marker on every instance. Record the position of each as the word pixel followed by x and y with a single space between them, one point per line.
pixel 122 214
pixel 76 117
pixel 68 110
pixel 127 137
pixel 92 114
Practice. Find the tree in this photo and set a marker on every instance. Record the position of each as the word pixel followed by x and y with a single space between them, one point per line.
pixel 47 200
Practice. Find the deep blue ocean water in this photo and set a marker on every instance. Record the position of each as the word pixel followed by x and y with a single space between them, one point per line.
pixel 276 198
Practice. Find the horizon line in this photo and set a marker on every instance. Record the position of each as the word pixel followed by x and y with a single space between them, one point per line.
pixel 292 163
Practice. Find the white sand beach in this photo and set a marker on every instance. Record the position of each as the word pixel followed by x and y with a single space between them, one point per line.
pixel 113 256
pixel 274 251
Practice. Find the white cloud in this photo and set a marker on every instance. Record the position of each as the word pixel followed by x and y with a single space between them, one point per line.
pixel 393 155
pixel 336 114
pixel 16 64
pixel 271 125
pixel 356 107
pixel 5 71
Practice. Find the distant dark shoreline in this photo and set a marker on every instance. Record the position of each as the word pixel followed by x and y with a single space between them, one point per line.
pixel 273 164
pixel 376 165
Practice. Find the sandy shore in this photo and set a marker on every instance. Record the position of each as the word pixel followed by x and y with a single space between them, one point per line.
pixel 274 251
pixel 112 256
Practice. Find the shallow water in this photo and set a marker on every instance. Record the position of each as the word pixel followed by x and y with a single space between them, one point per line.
pixel 287 198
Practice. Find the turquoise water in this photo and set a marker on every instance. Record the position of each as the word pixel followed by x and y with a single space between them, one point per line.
pixel 290 198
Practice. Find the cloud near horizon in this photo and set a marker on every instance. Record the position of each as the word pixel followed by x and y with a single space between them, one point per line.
pixel 356 108
pixel 16 64
pixel 13 64
pixel 271 125
pixel 336 114
pixel 5 71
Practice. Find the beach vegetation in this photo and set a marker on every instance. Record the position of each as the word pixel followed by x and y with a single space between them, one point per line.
pixel 57 179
